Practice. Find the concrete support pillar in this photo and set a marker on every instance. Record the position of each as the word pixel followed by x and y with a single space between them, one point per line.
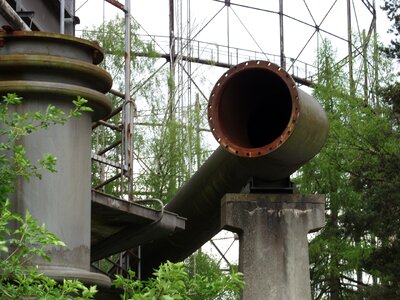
pixel 273 232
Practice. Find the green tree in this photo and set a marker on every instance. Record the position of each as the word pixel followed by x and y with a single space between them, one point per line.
pixel 172 281
pixel 205 269
pixel 201 263
pixel 168 144
pixel 379 186
pixel 392 8
pixel 111 38
pixel 333 253
pixel 357 171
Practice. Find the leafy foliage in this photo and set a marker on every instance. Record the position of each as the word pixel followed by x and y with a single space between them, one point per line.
pixel 358 172
pixel 392 9
pixel 171 281
pixel 18 278
pixel 201 263
pixel 111 37
pixel 14 127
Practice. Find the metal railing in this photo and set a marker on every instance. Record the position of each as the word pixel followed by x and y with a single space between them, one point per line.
pixel 221 55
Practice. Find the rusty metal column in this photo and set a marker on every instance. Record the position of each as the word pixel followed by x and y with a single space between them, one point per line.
pixel 172 57
pixel 350 48
pixel 128 107
pixel 281 36
pixel 228 5
pixel 375 60
pixel 273 249
pixel 171 33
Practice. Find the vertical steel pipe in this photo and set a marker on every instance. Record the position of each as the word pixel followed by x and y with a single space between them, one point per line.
pixel 62 16
pixel 281 36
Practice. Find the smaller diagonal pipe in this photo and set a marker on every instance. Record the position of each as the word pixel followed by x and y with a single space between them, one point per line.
pixel 12 17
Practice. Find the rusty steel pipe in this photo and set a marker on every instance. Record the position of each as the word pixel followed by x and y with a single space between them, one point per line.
pixel 257 112
pixel 267 128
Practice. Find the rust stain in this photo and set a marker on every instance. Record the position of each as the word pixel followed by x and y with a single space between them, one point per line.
pixel 96 55
pixel 117 4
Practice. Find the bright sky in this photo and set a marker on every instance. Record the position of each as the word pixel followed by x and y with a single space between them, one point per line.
pixel 248 28
pixel 239 26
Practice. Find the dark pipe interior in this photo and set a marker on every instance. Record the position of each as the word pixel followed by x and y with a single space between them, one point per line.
pixel 255 108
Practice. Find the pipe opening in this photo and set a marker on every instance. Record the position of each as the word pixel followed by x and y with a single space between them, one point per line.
pixel 255 108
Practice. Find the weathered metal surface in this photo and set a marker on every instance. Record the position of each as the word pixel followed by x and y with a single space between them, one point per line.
pixel 61 200
pixel 54 69
pixel 59 92
pixel 119 225
pixel 46 43
pixel 118 5
pixel 42 63
pixel 41 15
pixel 12 17
pixel 267 128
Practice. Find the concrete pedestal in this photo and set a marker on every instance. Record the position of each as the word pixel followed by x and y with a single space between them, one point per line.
pixel 273 241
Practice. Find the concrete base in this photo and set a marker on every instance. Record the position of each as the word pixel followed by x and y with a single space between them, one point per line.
pixel 273 241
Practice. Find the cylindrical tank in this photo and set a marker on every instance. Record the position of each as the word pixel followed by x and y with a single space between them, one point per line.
pixel 47 68
pixel 267 128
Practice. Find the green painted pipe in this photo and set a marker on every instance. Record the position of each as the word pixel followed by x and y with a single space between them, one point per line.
pixel 267 129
